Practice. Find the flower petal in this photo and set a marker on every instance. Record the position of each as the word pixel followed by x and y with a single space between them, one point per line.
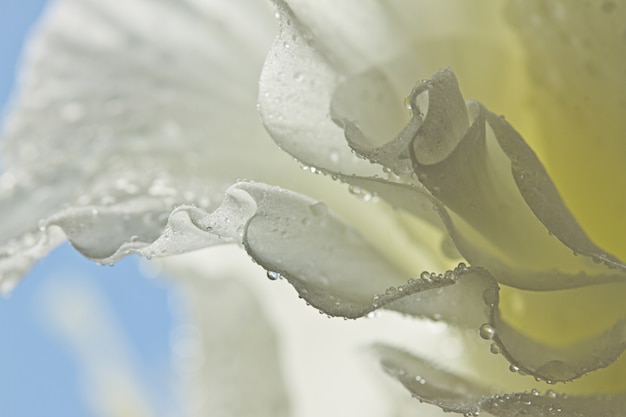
pixel 576 56
pixel 496 192
pixel 490 220
pixel 228 351
pixel 468 298
pixel 298 238
pixel 124 113
pixel 298 120
pixel 457 394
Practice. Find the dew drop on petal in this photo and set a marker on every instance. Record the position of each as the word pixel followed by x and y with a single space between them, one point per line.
pixel 391 291
pixel 353 189
pixel 486 331
pixel 273 276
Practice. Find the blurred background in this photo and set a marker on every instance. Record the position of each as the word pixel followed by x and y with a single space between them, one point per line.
pixel 67 301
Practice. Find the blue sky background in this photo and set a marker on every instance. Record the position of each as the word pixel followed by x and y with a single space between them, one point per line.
pixel 38 375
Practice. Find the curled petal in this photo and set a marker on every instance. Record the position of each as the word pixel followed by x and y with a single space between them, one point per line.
pixel 492 192
pixel 298 120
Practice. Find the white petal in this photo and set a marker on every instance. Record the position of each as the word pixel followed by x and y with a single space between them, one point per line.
pixel 298 120
pixel 229 351
pixel 125 112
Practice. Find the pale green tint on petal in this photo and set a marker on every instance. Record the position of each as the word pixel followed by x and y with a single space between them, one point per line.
pixel 469 298
pixel 576 55
pixel 227 351
pixel 339 273
pixel 495 191
pixel 297 85
pixel 491 220
pixel 457 394
pixel 494 198
pixel 493 203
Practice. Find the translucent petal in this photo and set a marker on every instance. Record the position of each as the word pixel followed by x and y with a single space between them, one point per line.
pixel 487 187
pixel 318 55
pixel 492 218
pixel 576 56
pixel 298 238
pixel 124 113
pixel 457 394
pixel 296 89
pixel 465 297
pixel 298 120
pixel 227 351
pixel 494 189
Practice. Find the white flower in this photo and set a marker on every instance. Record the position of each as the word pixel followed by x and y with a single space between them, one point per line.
pixel 133 121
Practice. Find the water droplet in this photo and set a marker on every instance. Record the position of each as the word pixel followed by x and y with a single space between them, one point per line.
pixel 391 291
pixel 486 331
pixel 494 348
pixel 273 276
pixel 353 189
pixel 535 392
pixel 407 103
pixel 420 380
pixel 425 276
pixel 513 368
pixel 365 196
pixel 551 394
